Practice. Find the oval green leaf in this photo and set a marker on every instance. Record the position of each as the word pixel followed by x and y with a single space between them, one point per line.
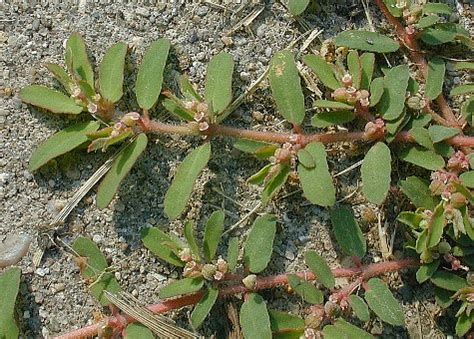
pixel 366 41
pixel 332 104
pixel 204 306
pixel 467 178
pixel 317 182
pixel 232 253
pixel 326 119
pixel 180 190
pixel 156 241
pixel 383 303
pixel 426 271
pixel 448 281
pixel 61 142
pixel 60 74
pixel 111 72
pixel 320 268
pixel 49 99
pixel 9 285
pixel 134 331
pixel 347 232
pixel 343 329
pixel 120 168
pixel 435 79
pixel 360 308
pixel 367 63
pixel 77 59
pixel 150 73
pixel 306 290
pixel 296 7
pixel 282 322
pixel 395 84
pixel 323 70
pixel 439 133
pixel 376 169
pixel 254 318
pixel 436 226
pixel 190 237
pixel 355 68
pixel 218 91
pixel 180 287
pixel 423 158
pixel 286 87
pixel 259 245
pixel 213 233
pixel 276 182
pixel 418 191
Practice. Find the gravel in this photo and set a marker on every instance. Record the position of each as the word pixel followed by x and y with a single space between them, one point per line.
pixel 53 297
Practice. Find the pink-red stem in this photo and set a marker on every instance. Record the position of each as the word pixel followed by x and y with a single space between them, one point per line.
pixel 362 273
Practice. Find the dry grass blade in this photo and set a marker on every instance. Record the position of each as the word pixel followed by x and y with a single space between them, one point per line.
pixel 233 316
pixel 245 22
pixel 62 215
pixel 158 324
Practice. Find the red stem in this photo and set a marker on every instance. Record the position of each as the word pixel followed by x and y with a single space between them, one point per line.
pixel 418 58
pixel 364 273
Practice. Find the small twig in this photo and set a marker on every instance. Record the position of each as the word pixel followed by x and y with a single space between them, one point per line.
pixel 244 218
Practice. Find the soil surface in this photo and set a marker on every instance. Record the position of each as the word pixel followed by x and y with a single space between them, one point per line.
pixel 53 297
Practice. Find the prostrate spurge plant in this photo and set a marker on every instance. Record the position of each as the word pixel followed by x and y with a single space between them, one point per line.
pixel 393 105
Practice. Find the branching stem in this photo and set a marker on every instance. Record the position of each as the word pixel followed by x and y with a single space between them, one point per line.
pixel 362 273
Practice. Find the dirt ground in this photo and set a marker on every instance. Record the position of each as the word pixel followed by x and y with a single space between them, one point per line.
pixel 53 298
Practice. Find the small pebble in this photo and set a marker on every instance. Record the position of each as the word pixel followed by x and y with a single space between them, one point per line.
pixel 227 41
pixel 97 238
pixel 289 255
pixel 51 183
pixel 42 271
pixel 144 12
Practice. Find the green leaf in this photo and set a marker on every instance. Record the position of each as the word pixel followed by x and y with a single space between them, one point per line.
pixel 422 137
pixel 435 79
pixel 61 142
pixel 276 182
pixel 326 119
pixel 296 7
pixel 204 306
pixel 190 237
pixel 411 219
pixel 383 303
pixel 9 285
pixel 439 133
pixel 60 74
pixel 111 72
pixel 332 104
pixel 393 8
pixel 376 169
pixel 120 168
pixel 323 70
pixel 436 8
pixel 347 232
pixel 187 89
pixel 180 287
pixel 427 21
pixel 467 178
pixel 261 150
pixel 77 60
pixel 181 188
pixel 134 331
pixel 366 41
pixel 218 92
pixel 286 87
pixel 155 240
pixel 464 323
pixel 320 268
pixel 150 73
pixel 260 176
pixel 420 121
pixel 254 318
pixel 213 233
pixel 360 308
pixel 395 83
pixel 175 107
pixel 418 191
pixel 354 67
pixel 305 158
pixel 426 271
pixel 95 268
pixel 376 91
pixel 423 158
pixel 443 297
pixel 343 329
pixel 317 182
pixel 259 245
pixel 282 322
pixel 49 99
pixel 367 63
pixel 448 281
pixel 462 90
pixel 442 33
pixel 307 291
pixel 232 253
pixel 436 226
